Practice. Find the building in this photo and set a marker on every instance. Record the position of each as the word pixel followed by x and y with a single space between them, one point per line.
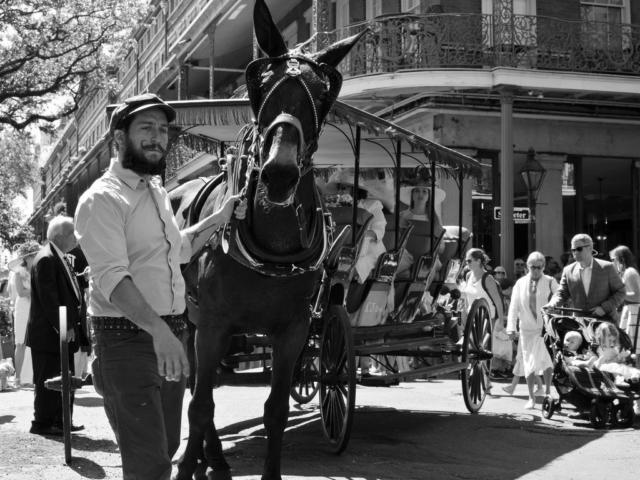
pixel 495 79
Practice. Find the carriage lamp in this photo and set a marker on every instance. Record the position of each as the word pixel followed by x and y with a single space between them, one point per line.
pixel 532 175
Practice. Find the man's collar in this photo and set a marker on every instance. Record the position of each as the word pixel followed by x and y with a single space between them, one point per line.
pixel 589 266
pixel 128 176
pixel 58 251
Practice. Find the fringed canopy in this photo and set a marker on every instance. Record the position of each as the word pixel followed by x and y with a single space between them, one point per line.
pixel 211 123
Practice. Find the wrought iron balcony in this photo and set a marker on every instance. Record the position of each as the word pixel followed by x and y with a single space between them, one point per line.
pixel 406 41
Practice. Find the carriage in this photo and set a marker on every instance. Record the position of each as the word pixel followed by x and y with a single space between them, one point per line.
pixel 435 338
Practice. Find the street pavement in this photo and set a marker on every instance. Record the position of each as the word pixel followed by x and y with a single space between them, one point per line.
pixel 417 430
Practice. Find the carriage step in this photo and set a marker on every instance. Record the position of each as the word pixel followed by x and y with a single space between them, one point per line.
pixel 398 329
pixel 399 345
pixel 430 371
pixel 234 360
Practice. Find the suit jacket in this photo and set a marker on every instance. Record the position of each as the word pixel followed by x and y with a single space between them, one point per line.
pixel 51 288
pixel 606 288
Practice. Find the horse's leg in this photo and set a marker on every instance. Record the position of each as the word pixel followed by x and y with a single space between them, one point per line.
pixel 287 345
pixel 211 344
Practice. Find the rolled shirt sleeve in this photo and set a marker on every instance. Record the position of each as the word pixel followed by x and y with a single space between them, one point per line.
pixel 100 226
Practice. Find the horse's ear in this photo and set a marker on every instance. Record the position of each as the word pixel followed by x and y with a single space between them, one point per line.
pixel 269 37
pixel 333 54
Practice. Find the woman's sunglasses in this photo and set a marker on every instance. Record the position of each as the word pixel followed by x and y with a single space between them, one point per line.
pixel 533 267
pixel 501 273
pixel 469 260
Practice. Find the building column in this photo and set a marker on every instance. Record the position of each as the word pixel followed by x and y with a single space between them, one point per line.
pixel 635 197
pixel 506 180
pixel 183 79
pixel 320 22
pixel 549 226
pixel 211 33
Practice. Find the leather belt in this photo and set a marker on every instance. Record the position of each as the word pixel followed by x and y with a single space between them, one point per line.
pixel 177 323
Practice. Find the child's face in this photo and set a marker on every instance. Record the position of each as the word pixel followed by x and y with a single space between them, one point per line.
pixel 609 341
pixel 572 343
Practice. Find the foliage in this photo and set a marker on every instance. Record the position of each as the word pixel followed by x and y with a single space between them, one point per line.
pixel 18 172
pixel 6 318
pixel 53 51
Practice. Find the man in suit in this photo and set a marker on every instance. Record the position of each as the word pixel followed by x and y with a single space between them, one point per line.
pixel 592 285
pixel 53 285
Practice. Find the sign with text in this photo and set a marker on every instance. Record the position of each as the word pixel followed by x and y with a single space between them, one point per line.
pixel 520 215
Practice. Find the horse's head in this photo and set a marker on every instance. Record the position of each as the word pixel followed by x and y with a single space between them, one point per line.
pixel 291 93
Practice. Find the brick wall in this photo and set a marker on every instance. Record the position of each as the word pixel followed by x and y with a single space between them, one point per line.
pixel 565 9
pixel 461 6
pixel 635 12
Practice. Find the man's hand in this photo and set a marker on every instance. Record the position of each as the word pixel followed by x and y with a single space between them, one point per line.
pixel 86 273
pixel 172 359
pixel 71 335
pixel 230 207
pixel 598 311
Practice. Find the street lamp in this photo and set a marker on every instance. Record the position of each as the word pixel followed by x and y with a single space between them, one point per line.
pixel 532 175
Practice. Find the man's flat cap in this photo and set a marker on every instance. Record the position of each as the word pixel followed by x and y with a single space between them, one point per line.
pixel 133 105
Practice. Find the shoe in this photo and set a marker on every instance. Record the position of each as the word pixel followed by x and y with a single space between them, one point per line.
pixel 509 389
pixel 578 416
pixel 539 392
pixel 530 405
pixel 53 431
pixel 76 428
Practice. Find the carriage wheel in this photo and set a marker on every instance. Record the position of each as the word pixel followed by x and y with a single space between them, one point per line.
pixel 477 351
pixel 599 414
pixel 623 415
pixel 548 407
pixel 307 384
pixel 337 379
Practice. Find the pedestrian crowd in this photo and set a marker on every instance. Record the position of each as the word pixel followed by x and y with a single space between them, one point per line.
pixel 116 269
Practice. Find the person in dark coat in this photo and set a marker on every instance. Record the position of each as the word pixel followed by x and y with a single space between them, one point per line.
pixel 53 284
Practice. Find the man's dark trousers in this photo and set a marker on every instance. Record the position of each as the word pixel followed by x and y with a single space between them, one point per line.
pixel 47 403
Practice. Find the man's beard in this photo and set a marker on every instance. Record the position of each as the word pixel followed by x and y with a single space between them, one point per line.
pixel 134 159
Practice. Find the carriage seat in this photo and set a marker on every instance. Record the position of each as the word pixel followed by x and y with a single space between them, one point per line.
pixel 450 241
pixel 343 254
pixel 343 216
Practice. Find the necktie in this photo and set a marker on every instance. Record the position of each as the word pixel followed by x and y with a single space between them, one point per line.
pixel 74 280
pixel 532 298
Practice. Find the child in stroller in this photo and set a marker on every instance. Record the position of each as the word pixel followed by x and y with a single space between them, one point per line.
pixel 577 378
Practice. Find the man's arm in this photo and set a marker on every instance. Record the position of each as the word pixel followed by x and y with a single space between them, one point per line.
pixel 617 289
pixel 170 354
pixel 562 294
pixel 199 234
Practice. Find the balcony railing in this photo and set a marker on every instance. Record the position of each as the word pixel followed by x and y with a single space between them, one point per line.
pixel 405 41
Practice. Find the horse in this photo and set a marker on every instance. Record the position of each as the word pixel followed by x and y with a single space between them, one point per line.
pixel 273 261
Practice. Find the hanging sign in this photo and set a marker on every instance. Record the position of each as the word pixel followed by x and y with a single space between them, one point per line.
pixel 520 215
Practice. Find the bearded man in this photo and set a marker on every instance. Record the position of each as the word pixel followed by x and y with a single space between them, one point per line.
pixel 131 239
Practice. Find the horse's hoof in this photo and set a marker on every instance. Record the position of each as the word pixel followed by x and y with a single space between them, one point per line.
pixel 201 471
pixel 219 475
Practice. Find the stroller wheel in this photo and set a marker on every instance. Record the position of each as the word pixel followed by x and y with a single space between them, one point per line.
pixel 548 407
pixel 622 415
pixel 599 414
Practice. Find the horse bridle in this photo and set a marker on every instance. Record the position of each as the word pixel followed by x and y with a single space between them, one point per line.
pixel 255 135
pixel 260 68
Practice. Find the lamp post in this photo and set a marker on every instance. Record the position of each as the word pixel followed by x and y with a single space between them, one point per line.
pixel 532 175
pixel 165 14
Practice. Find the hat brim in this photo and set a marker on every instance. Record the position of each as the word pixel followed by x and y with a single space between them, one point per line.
pixel 332 187
pixel 405 194
pixel 167 109
pixel 16 262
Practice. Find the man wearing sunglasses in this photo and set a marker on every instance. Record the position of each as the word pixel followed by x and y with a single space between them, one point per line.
pixel 592 285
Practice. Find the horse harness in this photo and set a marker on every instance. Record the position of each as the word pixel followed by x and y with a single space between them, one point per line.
pixel 242 168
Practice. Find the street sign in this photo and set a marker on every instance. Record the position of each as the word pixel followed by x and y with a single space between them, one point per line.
pixel 520 215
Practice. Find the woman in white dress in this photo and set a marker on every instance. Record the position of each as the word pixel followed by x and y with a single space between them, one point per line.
pixel 21 268
pixel 529 295
pixel 473 288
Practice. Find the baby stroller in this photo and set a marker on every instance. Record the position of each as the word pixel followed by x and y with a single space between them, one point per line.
pixel 585 388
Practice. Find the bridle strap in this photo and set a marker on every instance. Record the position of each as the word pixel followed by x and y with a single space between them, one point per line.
pixel 291 120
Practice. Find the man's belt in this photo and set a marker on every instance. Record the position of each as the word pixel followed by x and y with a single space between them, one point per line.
pixel 177 323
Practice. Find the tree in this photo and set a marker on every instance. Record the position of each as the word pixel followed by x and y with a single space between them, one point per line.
pixel 53 51
pixel 18 172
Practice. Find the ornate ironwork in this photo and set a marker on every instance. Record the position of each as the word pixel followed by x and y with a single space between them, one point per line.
pixel 400 42
pixel 184 148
